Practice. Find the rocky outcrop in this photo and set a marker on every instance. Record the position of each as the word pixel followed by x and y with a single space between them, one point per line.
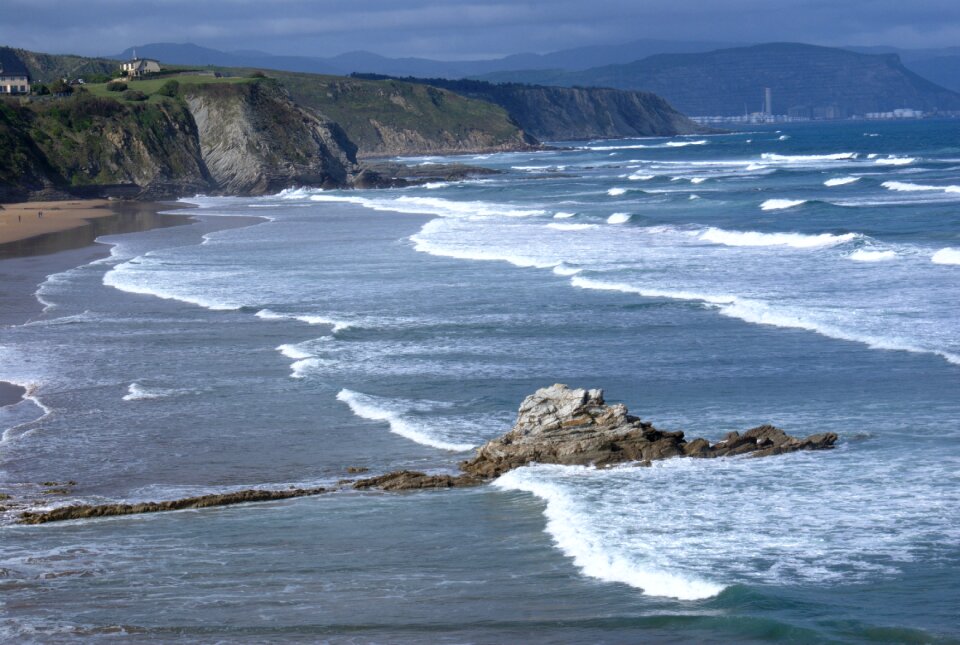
pixel 254 140
pixel 86 511
pixel 410 480
pixel 560 425
pixel 555 425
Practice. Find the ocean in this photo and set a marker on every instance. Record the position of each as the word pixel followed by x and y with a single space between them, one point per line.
pixel 805 275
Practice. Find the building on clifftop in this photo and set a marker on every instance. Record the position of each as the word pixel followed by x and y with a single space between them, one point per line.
pixel 14 77
pixel 140 66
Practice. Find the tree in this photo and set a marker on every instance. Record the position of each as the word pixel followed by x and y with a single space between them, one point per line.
pixel 60 86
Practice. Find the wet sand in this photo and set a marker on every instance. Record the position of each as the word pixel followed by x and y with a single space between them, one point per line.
pixel 33 247
pixel 38 228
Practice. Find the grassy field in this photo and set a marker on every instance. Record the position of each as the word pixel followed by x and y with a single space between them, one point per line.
pixel 151 85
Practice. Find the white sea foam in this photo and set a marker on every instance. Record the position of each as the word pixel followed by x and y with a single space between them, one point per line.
pixel 783 137
pixel 140 392
pixel 907 187
pixel 895 161
pixel 614 192
pixel 566 270
pixel 840 181
pixel 946 255
pixel 433 206
pixel 754 238
pixel 756 166
pixel 618 218
pixel 683 144
pixel 869 255
pixel 294 352
pixel 837 156
pixel 692 197
pixel 396 413
pixel 780 204
pixel 640 177
pixel 337 325
pixel 300 369
pixel 563 215
pixel 574 534
pixel 697 180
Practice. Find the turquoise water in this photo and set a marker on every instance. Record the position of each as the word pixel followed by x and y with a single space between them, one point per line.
pixel 807 277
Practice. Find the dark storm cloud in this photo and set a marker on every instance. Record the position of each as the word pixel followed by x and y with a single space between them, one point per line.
pixel 467 28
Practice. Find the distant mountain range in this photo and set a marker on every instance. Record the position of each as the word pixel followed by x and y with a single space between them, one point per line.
pixel 805 80
pixel 939 65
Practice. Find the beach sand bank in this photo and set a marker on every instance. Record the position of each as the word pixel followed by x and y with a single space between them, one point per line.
pixel 33 247
pixel 38 228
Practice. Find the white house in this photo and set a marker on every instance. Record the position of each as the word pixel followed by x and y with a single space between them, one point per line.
pixel 140 66
pixel 14 77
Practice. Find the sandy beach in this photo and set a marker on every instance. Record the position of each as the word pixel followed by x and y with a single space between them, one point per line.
pixel 33 246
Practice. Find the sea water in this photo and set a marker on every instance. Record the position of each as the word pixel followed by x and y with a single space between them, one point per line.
pixel 808 277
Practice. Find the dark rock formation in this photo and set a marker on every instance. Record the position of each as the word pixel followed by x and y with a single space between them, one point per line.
pixel 409 480
pixel 555 425
pixel 559 425
pixel 85 511
pixel 397 175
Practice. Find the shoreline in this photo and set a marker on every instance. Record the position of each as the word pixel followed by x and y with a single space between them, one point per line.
pixel 33 247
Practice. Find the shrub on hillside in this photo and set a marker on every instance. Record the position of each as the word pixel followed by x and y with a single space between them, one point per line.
pixel 170 88
pixel 117 87
pixel 134 95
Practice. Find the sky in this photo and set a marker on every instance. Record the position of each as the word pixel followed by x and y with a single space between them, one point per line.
pixel 466 29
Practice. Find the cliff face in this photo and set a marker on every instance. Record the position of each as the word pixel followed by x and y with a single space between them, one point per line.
pixel 254 140
pixel 231 138
pixel 558 113
pixel 390 117
pixel 89 146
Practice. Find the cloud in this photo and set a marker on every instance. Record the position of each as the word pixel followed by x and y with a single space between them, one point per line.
pixel 463 28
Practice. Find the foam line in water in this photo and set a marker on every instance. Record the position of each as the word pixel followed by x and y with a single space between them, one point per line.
pixel 754 238
pixel 337 325
pixel 761 313
pixel 840 181
pixel 294 352
pixel 837 156
pixel 683 144
pixel 618 218
pixel 946 255
pixel 894 161
pixel 30 395
pixel 869 255
pixel 780 204
pixel 140 392
pixel 563 215
pixel 573 533
pixel 907 187
pixel 616 192
pixel 378 409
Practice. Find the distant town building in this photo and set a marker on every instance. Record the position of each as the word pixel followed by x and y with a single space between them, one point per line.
pixel 768 101
pixel 14 77
pixel 140 66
